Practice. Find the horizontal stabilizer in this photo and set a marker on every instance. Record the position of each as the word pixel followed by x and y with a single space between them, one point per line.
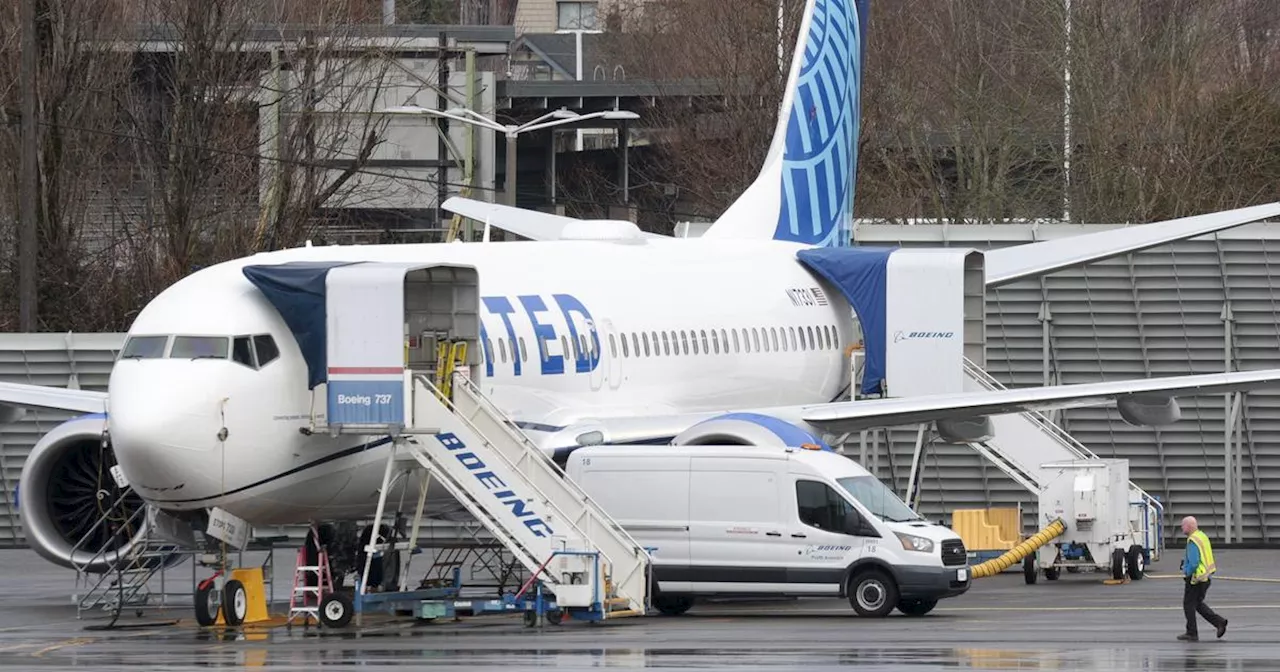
pixel 544 226
pixel 1010 264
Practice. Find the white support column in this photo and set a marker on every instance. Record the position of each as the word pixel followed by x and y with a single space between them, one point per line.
pixel 1237 460
pixel 1046 319
pixel 374 537
pixel 1228 426
pixel 915 464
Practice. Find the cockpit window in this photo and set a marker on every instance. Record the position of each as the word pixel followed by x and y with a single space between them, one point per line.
pixel 199 347
pixel 242 351
pixel 267 350
pixel 144 347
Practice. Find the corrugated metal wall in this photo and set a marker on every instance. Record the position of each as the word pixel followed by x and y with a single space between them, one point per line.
pixel 58 360
pixel 1156 313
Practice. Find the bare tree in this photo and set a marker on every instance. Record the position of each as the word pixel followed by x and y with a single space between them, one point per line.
pixel 174 137
pixel 74 76
pixel 1172 104
pixel 730 48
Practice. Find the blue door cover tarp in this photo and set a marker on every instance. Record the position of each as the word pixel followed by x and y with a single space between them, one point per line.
pixel 861 275
pixel 296 289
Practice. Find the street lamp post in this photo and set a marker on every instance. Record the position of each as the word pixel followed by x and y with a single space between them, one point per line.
pixel 512 131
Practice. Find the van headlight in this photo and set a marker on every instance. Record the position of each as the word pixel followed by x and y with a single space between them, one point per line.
pixel 913 543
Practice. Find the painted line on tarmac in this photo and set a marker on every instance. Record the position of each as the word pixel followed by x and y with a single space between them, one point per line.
pixel 1103 608
pixel 74 641
pixel 960 610
pixel 1216 578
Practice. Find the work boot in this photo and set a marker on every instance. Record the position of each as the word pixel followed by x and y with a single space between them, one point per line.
pixel 1222 629
pixel 1187 637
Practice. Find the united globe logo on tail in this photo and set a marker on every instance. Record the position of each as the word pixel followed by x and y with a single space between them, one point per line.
pixel 819 166
pixel 804 192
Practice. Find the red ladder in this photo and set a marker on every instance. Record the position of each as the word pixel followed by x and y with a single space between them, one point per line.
pixel 300 600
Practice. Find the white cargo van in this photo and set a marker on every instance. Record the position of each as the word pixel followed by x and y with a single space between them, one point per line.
pixel 748 520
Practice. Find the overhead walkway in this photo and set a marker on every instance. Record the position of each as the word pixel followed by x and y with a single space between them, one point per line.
pixel 396 345
pixel 1023 442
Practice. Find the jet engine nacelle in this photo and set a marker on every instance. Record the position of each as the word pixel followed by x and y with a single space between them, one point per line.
pixel 1149 410
pixel 748 429
pixel 65 488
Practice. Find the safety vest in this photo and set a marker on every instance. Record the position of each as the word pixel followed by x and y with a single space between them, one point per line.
pixel 1206 568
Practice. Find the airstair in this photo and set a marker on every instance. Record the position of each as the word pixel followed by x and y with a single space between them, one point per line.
pixel 1023 443
pixel 126 581
pixel 400 358
pixel 563 538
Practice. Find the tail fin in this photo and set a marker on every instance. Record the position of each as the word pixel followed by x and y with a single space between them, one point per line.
pixel 804 192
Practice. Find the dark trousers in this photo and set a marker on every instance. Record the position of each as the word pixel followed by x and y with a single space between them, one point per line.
pixel 1193 603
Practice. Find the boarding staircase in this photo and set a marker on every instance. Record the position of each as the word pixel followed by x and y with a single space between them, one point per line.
pixel 126 581
pixel 1022 442
pixel 570 546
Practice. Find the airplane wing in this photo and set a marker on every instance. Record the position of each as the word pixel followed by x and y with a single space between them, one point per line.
pixel 530 224
pixel 848 416
pixel 19 395
pixel 1010 264
pixel 852 416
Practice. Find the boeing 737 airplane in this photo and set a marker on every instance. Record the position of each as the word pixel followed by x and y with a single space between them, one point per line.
pixel 592 332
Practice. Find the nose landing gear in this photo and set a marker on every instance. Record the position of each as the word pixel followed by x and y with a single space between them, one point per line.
pixel 215 595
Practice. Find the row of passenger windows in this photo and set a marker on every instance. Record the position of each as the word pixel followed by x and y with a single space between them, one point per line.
pixel 254 352
pixel 684 342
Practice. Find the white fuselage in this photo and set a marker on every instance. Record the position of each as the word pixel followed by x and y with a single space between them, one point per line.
pixel 196 433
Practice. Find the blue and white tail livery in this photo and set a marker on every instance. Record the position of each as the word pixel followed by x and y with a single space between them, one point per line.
pixel 804 192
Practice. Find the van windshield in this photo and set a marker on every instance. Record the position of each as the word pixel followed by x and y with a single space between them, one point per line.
pixel 878 499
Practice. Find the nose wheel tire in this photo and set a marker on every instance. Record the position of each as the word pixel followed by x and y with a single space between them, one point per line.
pixel 335 610
pixel 873 593
pixel 207 603
pixel 235 602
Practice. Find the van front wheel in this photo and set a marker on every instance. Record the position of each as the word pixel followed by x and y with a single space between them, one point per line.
pixel 916 607
pixel 873 593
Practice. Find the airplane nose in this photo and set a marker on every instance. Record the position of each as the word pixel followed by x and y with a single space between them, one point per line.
pixel 165 427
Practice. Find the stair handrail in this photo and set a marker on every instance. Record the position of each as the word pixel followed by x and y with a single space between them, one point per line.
pixel 512 429
pixel 596 511
pixel 1049 427
pixel 101 554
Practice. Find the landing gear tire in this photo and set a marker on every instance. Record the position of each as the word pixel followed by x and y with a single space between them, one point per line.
pixel 916 607
pixel 384 570
pixel 208 601
pixel 1029 572
pixel 672 605
pixel 335 610
pixel 235 602
pixel 873 594
pixel 1117 565
pixel 1137 562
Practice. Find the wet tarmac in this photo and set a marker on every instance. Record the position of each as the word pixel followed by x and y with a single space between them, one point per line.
pixel 1076 623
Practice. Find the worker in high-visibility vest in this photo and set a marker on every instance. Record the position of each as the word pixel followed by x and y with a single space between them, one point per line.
pixel 1197 568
